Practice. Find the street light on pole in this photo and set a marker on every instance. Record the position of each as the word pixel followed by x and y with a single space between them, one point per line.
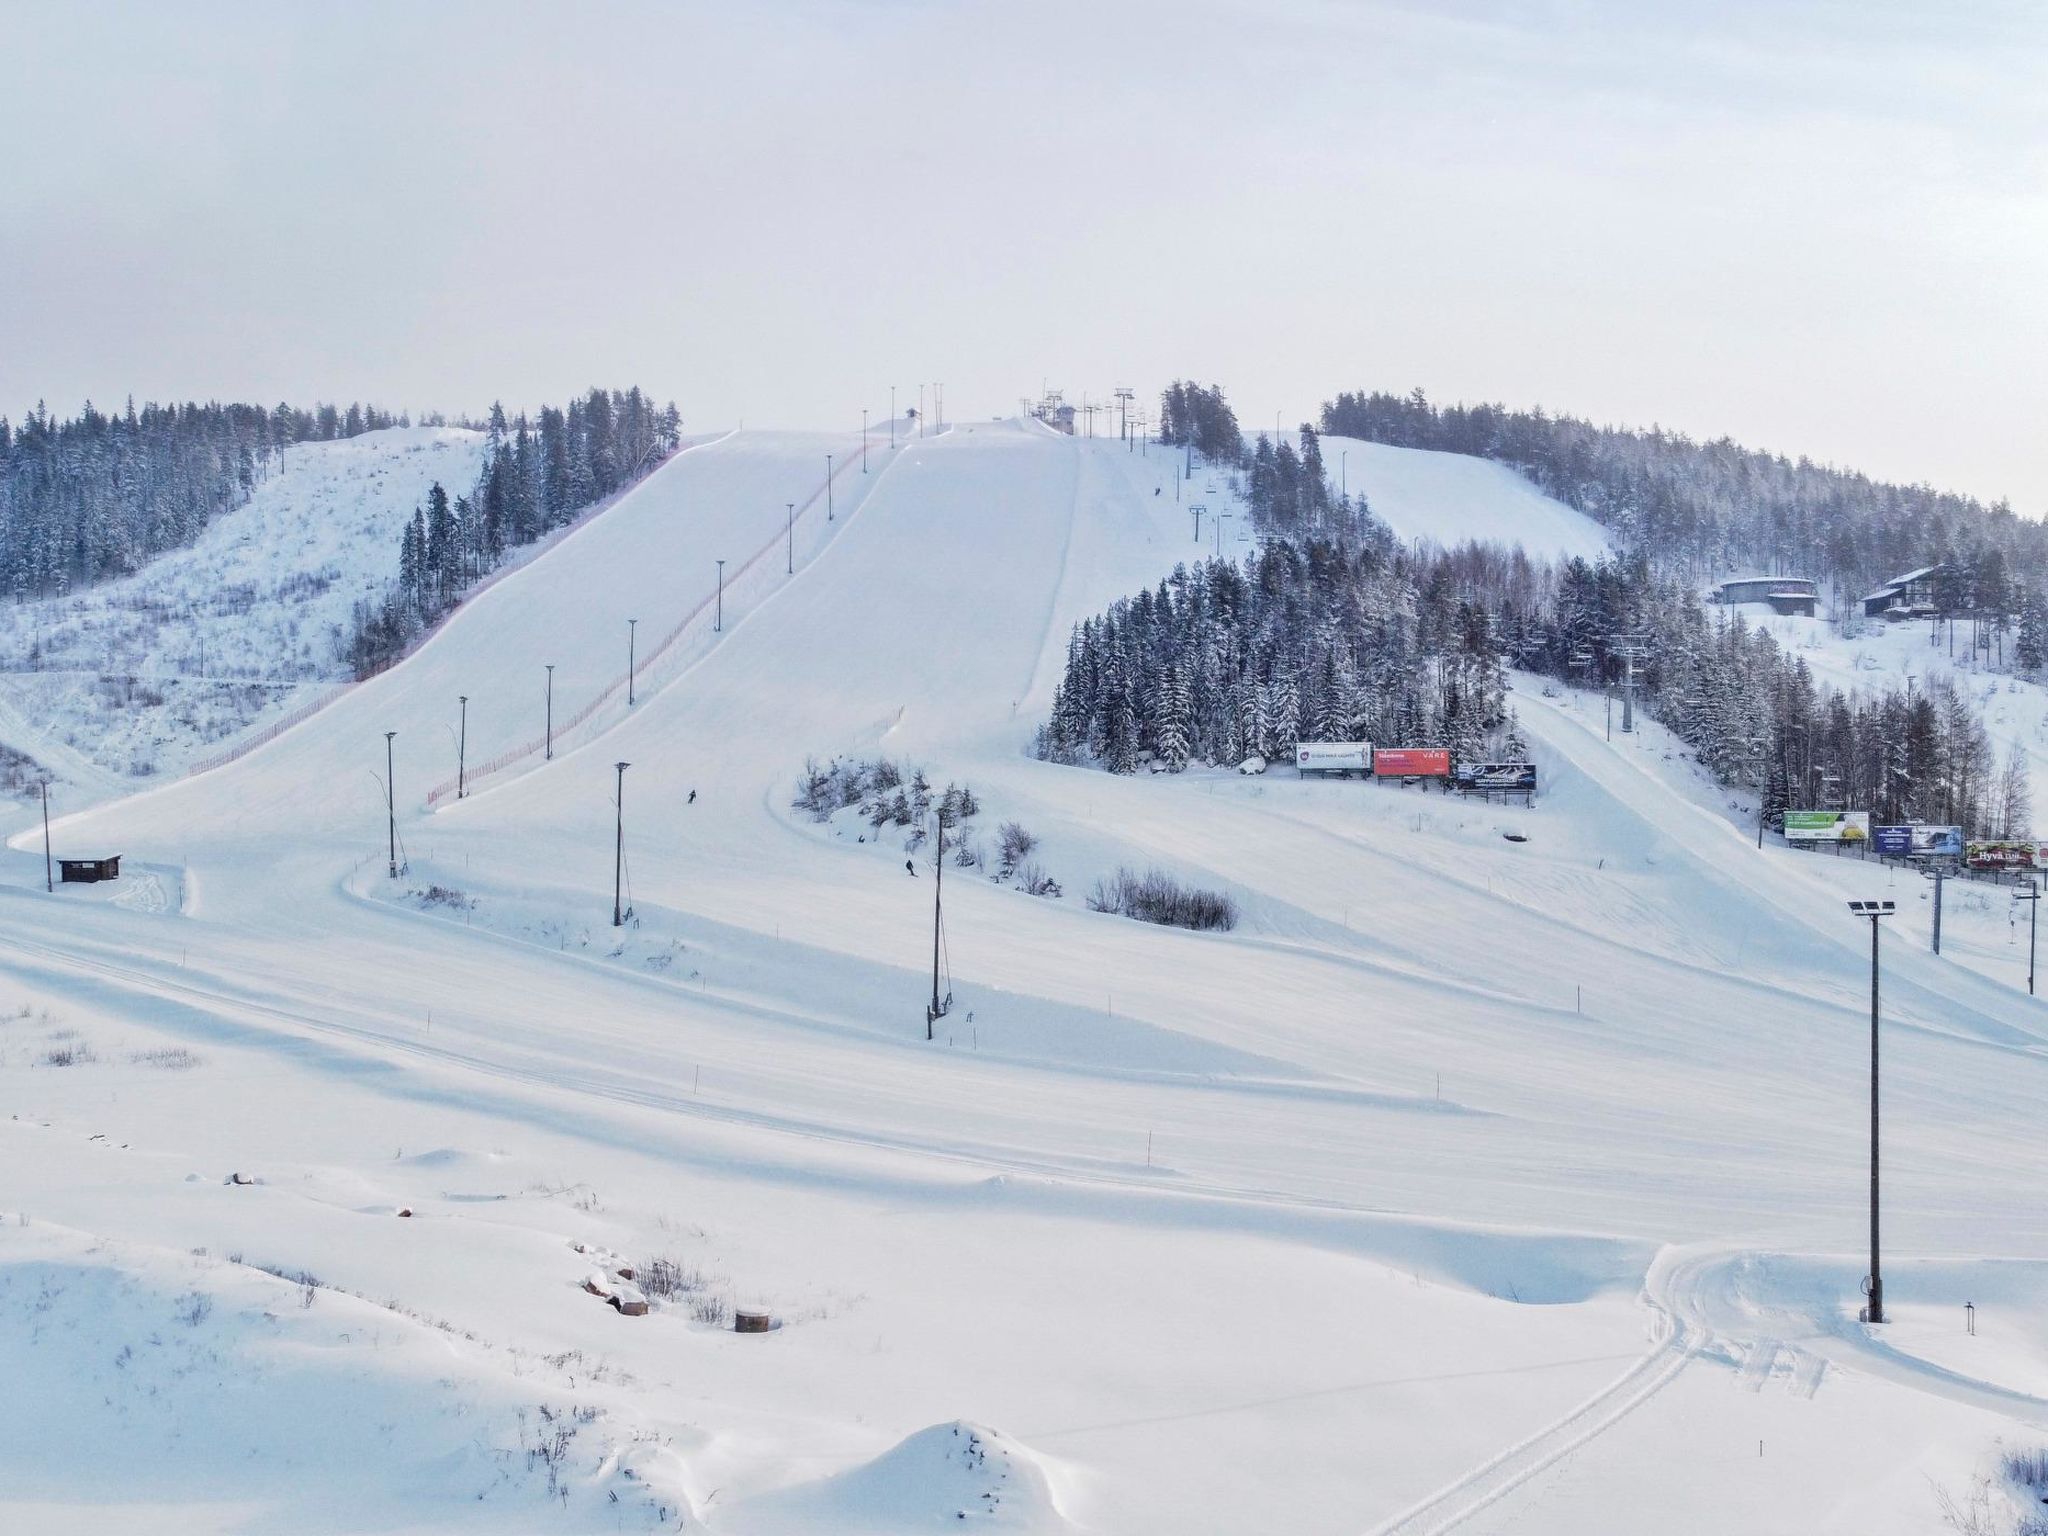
pixel 2031 895
pixel 462 749
pixel 619 848
pixel 789 530
pixel 549 738
pixel 1874 1285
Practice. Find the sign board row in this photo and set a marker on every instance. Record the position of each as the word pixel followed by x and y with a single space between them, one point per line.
pixel 2006 855
pixel 1827 826
pixel 1918 842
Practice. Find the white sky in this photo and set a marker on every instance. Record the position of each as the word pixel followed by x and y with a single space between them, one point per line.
pixel 1818 228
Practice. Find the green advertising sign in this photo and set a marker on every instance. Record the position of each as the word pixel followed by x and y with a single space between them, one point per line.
pixel 1827 826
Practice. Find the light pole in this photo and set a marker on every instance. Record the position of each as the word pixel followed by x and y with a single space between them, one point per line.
pixel 619 848
pixel 632 650
pixel 718 623
pixel 1874 910
pixel 2032 897
pixel 390 806
pixel 789 530
pixel 49 884
pixel 550 737
pixel 828 487
pixel 462 749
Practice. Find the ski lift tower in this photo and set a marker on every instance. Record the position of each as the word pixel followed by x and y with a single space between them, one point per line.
pixel 1124 395
pixel 1632 651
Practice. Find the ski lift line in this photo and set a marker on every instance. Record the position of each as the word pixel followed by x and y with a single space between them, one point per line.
pixel 524 558
pixel 689 620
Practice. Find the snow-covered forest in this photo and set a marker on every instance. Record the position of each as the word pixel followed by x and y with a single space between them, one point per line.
pixel 90 497
pixel 1703 508
pixel 537 476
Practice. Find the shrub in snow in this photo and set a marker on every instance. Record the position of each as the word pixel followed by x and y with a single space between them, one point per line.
pixel 1013 844
pixel 1156 897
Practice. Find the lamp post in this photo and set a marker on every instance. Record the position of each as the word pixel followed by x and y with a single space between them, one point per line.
pixel 1875 911
pixel 718 623
pixel 550 736
pixel 2031 895
pixel 390 806
pixel 619 848
pixel 632 649
pixel 462 749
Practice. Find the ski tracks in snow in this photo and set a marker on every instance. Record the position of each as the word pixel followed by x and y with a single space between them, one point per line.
pixel 1493 1480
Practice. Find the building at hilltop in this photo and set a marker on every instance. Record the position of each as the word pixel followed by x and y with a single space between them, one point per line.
pixel 1911 596
pixel 1785 594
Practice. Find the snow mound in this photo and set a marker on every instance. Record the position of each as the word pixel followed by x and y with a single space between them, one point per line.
pixel 950 1477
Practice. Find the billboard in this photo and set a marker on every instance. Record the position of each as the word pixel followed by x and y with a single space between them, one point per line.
pixel 1827 826
pixel 1918 842
pixel 1333 756
pixel 2005 855
pixel 1417 762
pixel 1495 778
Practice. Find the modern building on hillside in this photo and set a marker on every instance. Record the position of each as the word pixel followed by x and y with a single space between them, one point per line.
pixel 1910 596
pixel 1785 594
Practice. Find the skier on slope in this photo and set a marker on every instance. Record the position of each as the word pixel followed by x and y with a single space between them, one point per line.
pixel 910 868
pixel 693 798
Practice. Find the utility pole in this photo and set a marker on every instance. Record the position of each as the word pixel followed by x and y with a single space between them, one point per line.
pixel 49 883
pixel 462 749
pixel 938 1008
pixel 1123 395
pixel 390 805
pixel 619 848
pixel 828 487
pixel 632 650
pixel 789 528
pixel 939 404
pixel 550 737
pixel 1874 910
pixel 2032 897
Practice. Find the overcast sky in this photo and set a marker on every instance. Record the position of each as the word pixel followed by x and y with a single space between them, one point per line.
pixel 1821 229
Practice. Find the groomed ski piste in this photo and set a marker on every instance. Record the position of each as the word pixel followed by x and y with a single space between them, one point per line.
pixel 1468 1184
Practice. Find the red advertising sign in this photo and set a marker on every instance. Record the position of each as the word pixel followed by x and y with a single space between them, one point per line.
pixel 1416 762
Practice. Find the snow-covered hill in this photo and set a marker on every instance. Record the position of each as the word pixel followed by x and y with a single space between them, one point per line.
pixel 1452 498
pixel 135 678
pixel 1469 1183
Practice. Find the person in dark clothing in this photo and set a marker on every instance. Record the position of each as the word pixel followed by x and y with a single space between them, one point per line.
pixel 693 798
pixel 911 868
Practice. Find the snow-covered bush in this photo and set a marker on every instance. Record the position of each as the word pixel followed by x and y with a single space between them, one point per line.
pixel 1157 897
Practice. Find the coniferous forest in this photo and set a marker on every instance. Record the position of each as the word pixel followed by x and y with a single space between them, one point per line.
pixel 1332 631
pixel 93 497
pixel 537 475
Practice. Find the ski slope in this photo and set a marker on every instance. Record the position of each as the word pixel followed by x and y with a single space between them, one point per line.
pixel 1468 1184
pixel 1452 498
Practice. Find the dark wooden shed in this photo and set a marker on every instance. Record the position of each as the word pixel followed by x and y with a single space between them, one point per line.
pixel 86 871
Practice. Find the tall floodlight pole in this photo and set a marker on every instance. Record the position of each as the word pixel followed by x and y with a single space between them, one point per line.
pixel 462 749
pixel 828 487
pixel 619 848
pixel 632 650
pixel 49 884
pixel 390 806
pixel 550 736
pixel 718 623
pixel 1874 910
pixel 938 887
pixel 789 530
pixel 2031 895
